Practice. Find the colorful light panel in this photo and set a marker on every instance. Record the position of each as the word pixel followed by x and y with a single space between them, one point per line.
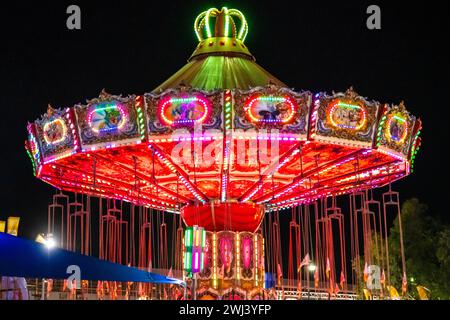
pixel 55 131
pixel 346 115
pixel 184 111
pixel 194 243
pixel 107 116
pixel 270 109
pixel 397 128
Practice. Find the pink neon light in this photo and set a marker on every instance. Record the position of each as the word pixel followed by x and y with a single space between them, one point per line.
pixel 196 261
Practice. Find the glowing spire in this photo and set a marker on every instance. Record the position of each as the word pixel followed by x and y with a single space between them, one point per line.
pixel 225 24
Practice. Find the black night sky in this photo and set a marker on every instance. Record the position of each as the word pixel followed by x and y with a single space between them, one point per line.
pixel 132 46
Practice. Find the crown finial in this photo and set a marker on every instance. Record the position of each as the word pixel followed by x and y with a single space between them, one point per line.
pixel 104 94
pixel 225 24
pixel 401 105
pixel 50 110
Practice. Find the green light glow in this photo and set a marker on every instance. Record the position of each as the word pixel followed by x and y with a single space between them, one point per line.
pixel 203 22
pixel 227 21
pixel 271 99
pixel 244 26
pixel 208 29
pixel 188 237
pixel 350 106
pixel 400 119
pixel 201 261
pixel 187 261
pixel 32 161
pixel 196 28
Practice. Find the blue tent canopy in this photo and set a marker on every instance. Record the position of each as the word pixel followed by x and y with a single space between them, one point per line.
pixel 29 259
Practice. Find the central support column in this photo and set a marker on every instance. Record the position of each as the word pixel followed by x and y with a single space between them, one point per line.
pixel 233 255
pixel 224 216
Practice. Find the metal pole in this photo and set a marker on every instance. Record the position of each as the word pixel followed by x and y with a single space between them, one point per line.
pixel 43 290
pixel 185 287
pixel 195 286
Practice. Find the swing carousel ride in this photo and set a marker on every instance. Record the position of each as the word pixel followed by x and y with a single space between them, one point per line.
pixel 194 176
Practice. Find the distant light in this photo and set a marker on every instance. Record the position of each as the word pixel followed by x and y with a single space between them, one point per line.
pixel 40 238
pixel 312 267
pixel 46 240
pixel 412 279
pixel 50 243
